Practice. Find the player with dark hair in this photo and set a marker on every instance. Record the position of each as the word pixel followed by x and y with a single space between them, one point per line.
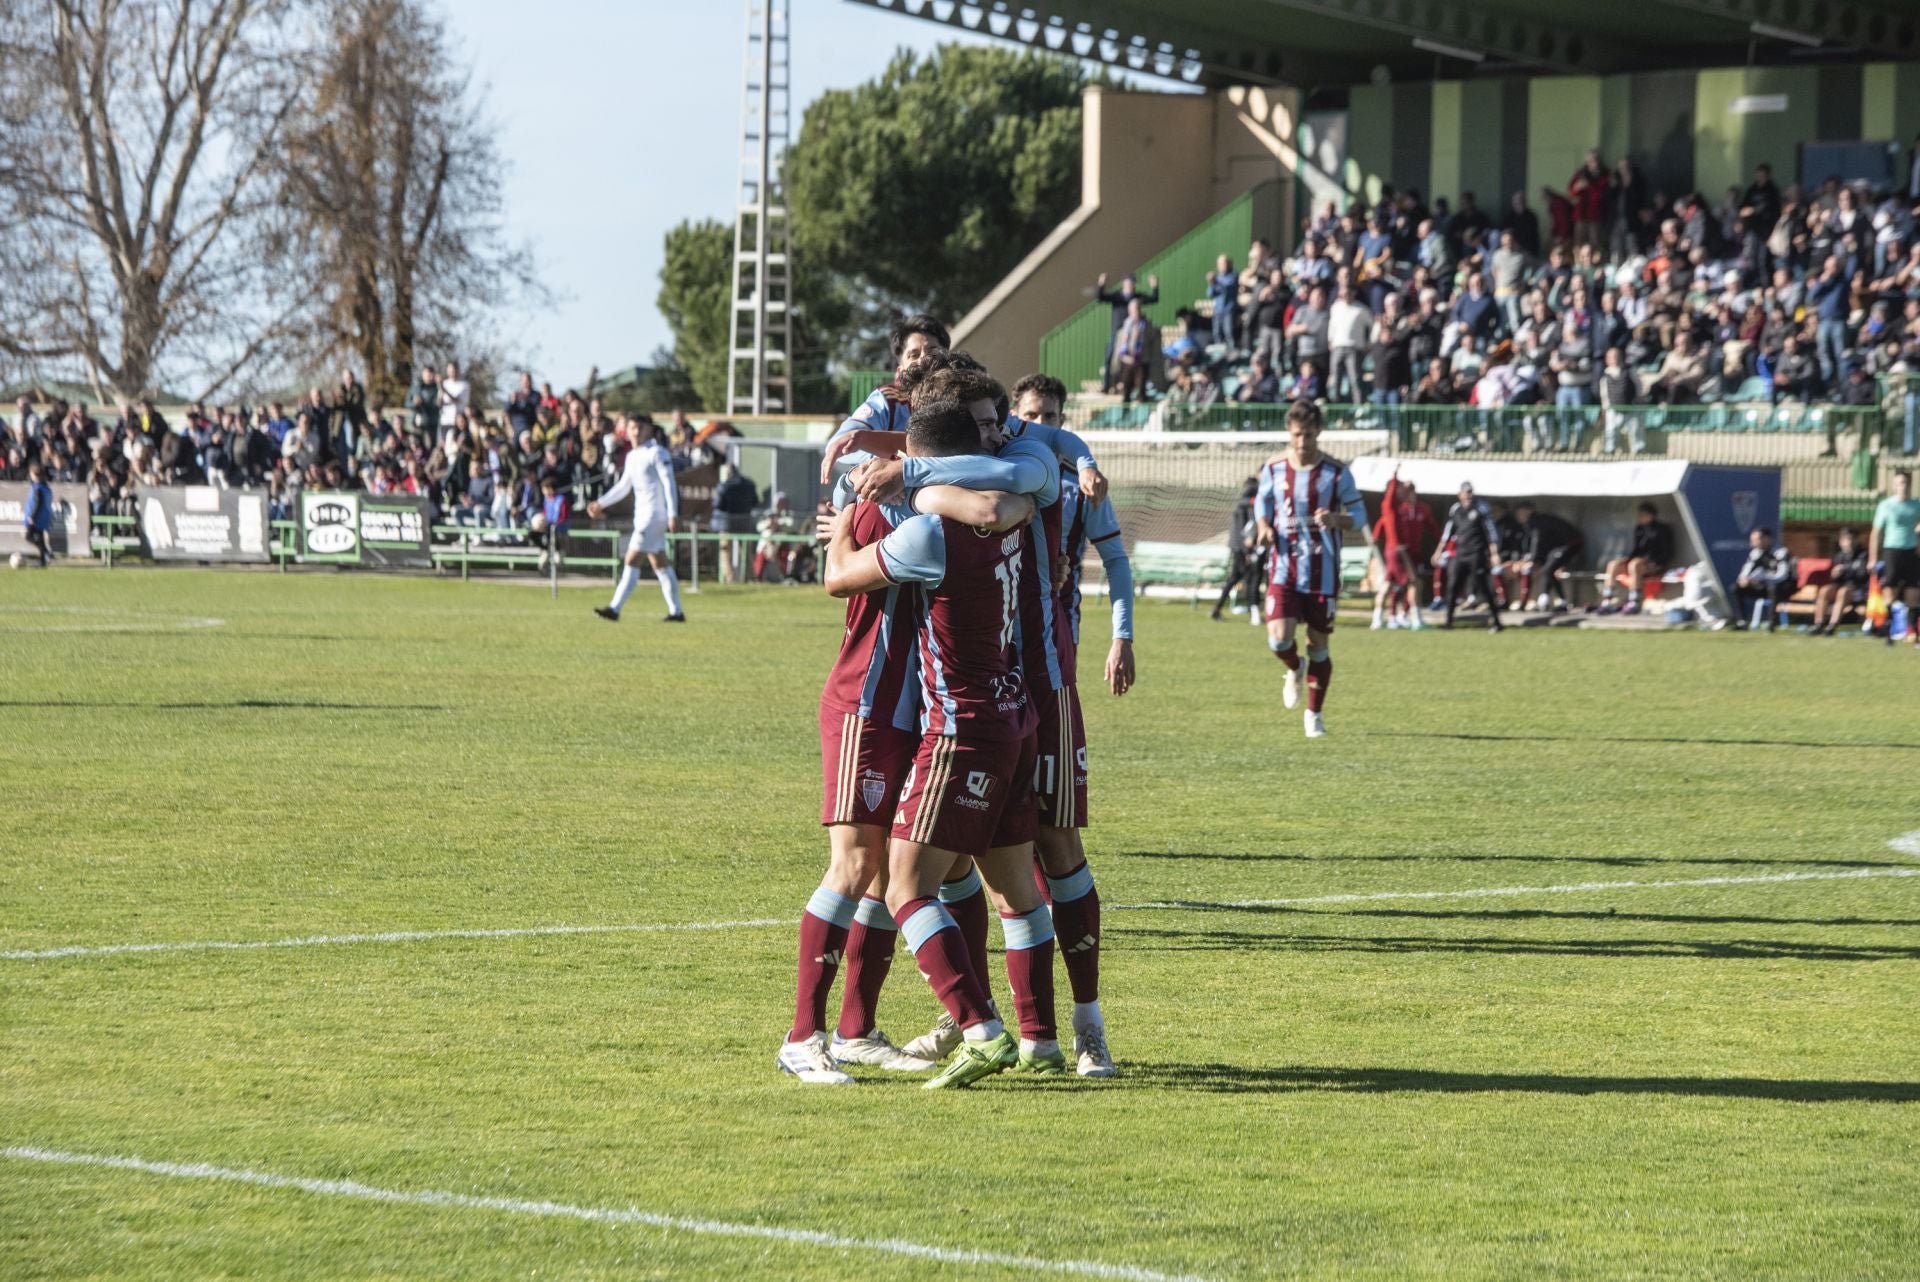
pixel 1306 502
pixel 967 793
pixel 885 408
pixel 1473 541
pixel 1040 398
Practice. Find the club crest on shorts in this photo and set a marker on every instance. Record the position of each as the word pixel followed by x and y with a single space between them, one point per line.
pixel 978 782
pixel 873 786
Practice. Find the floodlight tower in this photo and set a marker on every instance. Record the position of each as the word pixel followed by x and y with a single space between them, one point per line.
pixel 759 379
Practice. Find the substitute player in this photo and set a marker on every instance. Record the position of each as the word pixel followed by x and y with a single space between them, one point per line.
pixel 1307 501
pixel 647 474
pixel 971 775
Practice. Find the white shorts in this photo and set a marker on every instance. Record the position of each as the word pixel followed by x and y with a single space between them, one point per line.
pixel 650 538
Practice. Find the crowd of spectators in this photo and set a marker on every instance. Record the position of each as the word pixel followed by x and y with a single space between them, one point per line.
pixel 475 467
pixel 1625 294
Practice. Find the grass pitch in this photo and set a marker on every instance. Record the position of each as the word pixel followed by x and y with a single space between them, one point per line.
pixel 1675 1080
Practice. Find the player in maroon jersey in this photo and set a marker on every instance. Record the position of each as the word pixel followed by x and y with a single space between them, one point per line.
pixel 1060 774
pixel 869 732
pixel 967 793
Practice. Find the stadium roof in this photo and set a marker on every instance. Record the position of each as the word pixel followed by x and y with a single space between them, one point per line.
pixel 1340 42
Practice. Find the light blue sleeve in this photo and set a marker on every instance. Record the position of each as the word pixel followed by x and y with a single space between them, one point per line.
pixel 916 552
pixel 872 415
pixel 1119 569
pixel 1016 472
pixel 842 492
pixel 1065 444
pixel 1263 505
pixel 1349 497
pixel 1034 454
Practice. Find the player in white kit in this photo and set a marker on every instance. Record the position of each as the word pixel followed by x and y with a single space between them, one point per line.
pixel 648 476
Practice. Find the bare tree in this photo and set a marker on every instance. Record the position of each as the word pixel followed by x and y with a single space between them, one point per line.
pixel 389 196
pixel 136 139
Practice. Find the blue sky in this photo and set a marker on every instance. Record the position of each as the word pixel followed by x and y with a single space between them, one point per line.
pixel 644 100
pixel 619 120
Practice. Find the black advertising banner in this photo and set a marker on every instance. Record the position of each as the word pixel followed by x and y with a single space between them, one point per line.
pixel 201 523
pixel 72 531
pixel 365 529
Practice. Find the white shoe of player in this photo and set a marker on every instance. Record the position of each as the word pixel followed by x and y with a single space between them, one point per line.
pixel 1316 728
pixel 937 1043
pixel 809 1061
pixel 1379 620
pixel 876 1051
pixel 1290 692
pixel 1253 617
pixel 1090 1050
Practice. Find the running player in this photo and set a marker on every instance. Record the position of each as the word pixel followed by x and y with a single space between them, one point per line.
pixel 971 775
pixel 1306 502
pixel 1060 773
pixel 647 474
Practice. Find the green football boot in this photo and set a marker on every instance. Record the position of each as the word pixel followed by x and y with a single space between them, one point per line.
pixel 975 1060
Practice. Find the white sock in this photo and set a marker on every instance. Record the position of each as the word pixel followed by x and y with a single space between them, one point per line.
pixel 670 589
pixel 1030 1047
pixel 1379 616
pixel 1087 1015
pixel 985 1031
pixel 628 577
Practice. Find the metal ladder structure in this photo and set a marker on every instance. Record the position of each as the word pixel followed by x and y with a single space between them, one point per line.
pixel 759 375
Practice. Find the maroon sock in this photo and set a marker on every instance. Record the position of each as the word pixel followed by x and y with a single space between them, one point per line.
pixel 869 957
pixel 970 914
pixel 1288 654
pixel 821 944
pixel 1030 972
pixel 942 957
pixel 1319 674
pixel 1076 923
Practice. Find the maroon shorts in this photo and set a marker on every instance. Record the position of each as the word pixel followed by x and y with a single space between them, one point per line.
pixel 863 764
pixel 1060 760
pixel 968 796
pixel 1398 566
pixel 1315 609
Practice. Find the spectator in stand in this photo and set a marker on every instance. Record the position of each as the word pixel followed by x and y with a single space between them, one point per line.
pixel 1266 320
pixel 36 514
pixel 1510 263
pixel 523 406
pixel 1524 225
pixel 1846 586
pixel 1828 295
pixel 1682 372
pixel 1244 560
pixel 1307 385
pixel 1261 386
pixel 778 521
pixel 1474 311
pixel 1309 268
pixel 425 401
pixel 1435 252
pixel 1436 385
pixel 455 392
pixel 1349 323
pixel 1132 354
pixel 1618 390
pixel 1392 363
pixel 1588 191
pixel 1308 330
pixel 1627 205
pixel 1123 303
pixel 1765 580
pixel 1223 287
pixel 1572 366
pixel 734 500
pixel 1646 560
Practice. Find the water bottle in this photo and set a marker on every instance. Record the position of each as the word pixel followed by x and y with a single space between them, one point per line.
pixel 1897 621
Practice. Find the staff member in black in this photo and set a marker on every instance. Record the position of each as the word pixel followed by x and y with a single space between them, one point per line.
pixel 1645 561
pixel 1476 548
pixel 1548 546
pixel 1244 571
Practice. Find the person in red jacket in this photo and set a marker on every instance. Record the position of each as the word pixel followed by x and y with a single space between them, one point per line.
pixel 1587 192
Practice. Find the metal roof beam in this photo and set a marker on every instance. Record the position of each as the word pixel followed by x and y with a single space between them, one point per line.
pixel 1498 36
pixel 1817 23
pixel 1124 37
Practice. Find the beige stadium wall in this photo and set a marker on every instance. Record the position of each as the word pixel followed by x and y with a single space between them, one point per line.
pixel 1153 165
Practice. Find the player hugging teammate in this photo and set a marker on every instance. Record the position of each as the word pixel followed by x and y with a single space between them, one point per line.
pixel 958 648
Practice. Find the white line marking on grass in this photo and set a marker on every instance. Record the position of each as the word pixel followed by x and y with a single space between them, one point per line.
pixel 144 621
pixel 594 1214
pixel 1492 891
pixel 382 937
pixel 1907 843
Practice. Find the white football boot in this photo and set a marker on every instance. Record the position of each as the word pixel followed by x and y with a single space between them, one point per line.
pixel 1290 692
pixel 1316 728
pixel 937 1043
pixel 876 1051
pixel 809 1061
pixel 1090 1049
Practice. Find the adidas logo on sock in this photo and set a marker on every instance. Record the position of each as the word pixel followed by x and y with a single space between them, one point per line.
pixel 1086 945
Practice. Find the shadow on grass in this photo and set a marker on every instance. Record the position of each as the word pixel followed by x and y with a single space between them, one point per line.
pixel 1480 737
pixel 1680 919
pixel 196 706
pixel 1233 1078
pixel 1238 941
pixel 1608 861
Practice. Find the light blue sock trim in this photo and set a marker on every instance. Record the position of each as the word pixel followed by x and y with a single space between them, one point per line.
pixel 831 906
pixel 952 892
pixel 1029 930
pixel 927 921
pixel 872 913
pixel 1074 885
pixel 1279 647
pixel 1318 654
